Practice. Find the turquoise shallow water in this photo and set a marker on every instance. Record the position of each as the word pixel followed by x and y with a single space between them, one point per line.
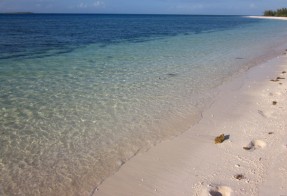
pixel 71 116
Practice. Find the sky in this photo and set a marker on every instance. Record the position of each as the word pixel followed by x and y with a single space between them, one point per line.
pixel 224 7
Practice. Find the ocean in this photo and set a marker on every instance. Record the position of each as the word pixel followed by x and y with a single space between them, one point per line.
pixel 82 94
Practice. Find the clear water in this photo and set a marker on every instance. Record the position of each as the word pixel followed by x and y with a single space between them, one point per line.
pixel 82 94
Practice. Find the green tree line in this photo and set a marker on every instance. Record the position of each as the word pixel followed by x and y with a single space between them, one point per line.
pixel 279 12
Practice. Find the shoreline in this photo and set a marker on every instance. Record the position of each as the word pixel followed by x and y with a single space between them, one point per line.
pixel 267 17
pixel 191 164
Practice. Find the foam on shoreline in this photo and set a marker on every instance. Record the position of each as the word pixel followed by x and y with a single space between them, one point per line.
pixel 249 162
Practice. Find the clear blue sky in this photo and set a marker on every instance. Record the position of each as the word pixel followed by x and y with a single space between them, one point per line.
pixel 244 7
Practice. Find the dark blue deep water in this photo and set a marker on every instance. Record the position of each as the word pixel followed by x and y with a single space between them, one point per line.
pixel 35 34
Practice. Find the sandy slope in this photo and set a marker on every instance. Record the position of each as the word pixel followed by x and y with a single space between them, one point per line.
pixel 192 164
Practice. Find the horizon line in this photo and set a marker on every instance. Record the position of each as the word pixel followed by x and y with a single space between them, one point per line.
pixel 70 13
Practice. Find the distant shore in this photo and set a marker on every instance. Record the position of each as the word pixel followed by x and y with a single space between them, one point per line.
pixel 268 17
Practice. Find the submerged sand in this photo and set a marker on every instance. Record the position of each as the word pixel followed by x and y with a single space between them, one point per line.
pixel 251 111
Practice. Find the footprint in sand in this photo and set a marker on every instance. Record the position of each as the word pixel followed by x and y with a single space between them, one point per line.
pixel 255 144
pixel 221 191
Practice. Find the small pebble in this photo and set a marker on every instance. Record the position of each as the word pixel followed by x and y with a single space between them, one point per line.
pixel 247 148
pixel 239 176
pixel 119 162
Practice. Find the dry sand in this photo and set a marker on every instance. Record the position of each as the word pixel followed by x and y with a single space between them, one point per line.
pixel 252 111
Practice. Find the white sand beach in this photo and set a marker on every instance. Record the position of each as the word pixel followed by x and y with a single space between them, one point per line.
pixel 268 17
pixel 251 111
